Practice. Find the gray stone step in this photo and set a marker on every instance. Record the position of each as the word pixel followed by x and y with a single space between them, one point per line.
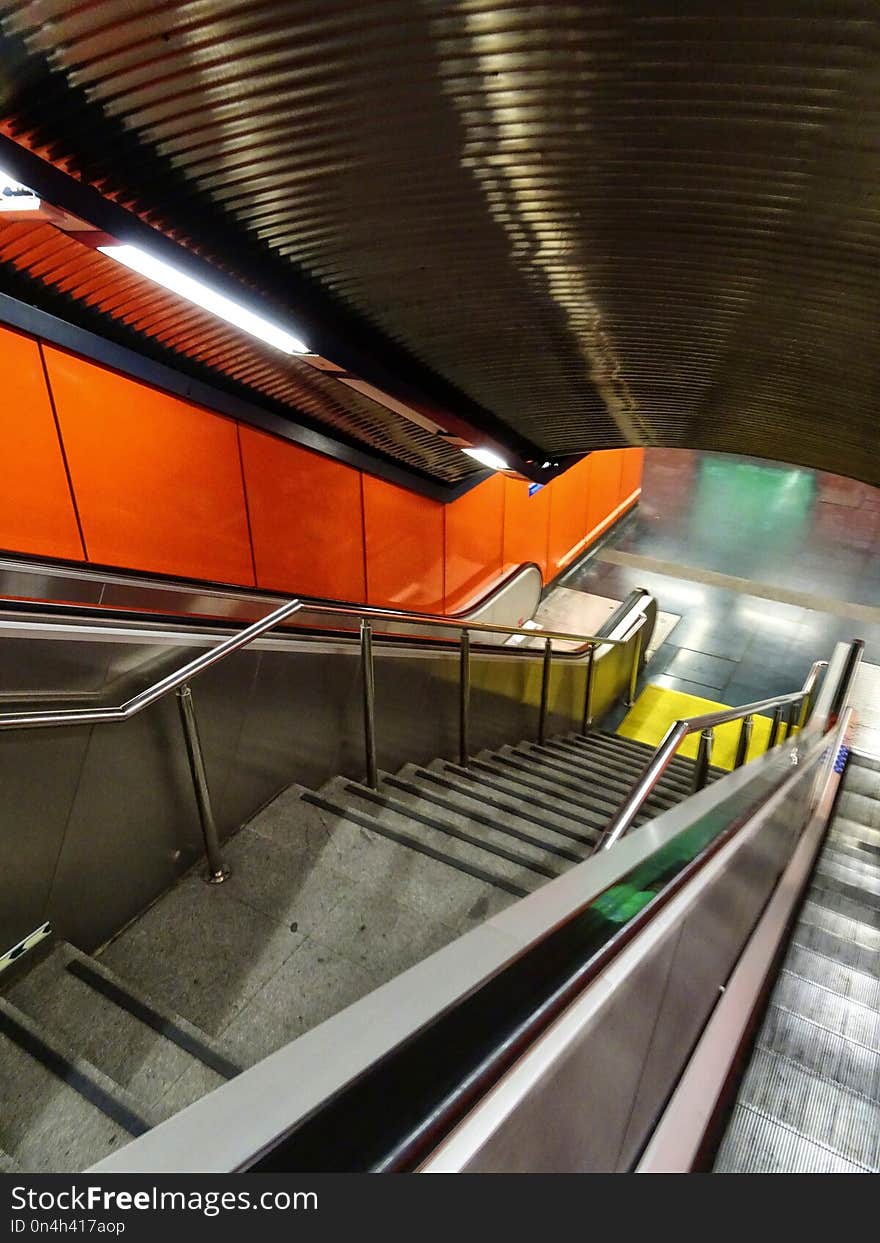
pixel 616 768
pixel 640 752
pixel 634 755
pixel 437 833
pixel 318 912
pixel 546 793
pixel 63 993
pixel 570 820
pixel 643 752
pixel 602 775
pixel 58 1112
pixel 593 811
pixel 386 870
pixel 465 795
pixel 599 796
pixel 497 826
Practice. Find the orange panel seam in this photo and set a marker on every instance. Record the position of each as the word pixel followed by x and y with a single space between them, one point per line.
pixel 247 507
pixel 70 487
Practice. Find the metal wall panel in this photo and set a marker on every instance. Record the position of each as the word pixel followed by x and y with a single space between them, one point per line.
pixel 38 782
pixel 133 827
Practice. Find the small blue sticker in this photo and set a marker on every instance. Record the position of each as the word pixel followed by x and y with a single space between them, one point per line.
pixel 535 487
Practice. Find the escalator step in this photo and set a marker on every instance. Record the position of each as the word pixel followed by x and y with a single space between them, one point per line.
pixel 822 1052
pixel 844 1123
pixel 755 1144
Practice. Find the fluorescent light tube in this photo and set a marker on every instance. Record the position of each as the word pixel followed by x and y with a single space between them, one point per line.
pixel 205 297
pixel 488 457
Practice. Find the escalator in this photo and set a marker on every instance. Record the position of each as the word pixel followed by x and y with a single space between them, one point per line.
pixel 810 1098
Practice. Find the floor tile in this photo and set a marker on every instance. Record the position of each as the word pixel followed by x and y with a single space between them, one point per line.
pixel 698 666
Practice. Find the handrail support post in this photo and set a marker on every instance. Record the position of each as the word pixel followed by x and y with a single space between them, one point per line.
pixel 545 689
pixel 635 668
pixel 704 758
pixel 464 705
pixel 369 689
pixel 587 722
pixel 745 737
pixel 217 871
pixel 775 728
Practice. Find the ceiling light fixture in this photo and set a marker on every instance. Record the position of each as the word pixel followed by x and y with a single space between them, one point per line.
pixel 488 457
pixel 205 297
pixel 16 197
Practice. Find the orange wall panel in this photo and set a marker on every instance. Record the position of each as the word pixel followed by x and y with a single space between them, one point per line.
pixel 36 510
pixel 569 495
pixel 474 543
pixel 631 471
pixel 157 480
pixel 306 519
pixel 526 525
pixel 604 489
pixel 404 543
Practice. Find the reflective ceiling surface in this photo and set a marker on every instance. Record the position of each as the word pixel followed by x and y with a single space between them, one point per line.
pixel 574 225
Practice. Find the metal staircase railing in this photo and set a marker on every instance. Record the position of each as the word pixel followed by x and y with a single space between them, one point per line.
pixel 797 704
pixel 179 682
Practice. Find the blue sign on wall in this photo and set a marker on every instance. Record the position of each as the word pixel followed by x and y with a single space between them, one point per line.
pixel 535 487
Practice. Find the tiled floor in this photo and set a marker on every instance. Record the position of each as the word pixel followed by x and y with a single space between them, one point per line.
pixel 784 529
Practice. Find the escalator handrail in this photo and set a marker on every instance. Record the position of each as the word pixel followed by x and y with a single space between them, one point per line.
pixel 679 730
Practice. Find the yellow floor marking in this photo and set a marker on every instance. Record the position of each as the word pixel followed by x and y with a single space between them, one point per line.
pixel 657 708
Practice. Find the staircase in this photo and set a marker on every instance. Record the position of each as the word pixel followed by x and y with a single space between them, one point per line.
pixel 332 893
pixel 810 1099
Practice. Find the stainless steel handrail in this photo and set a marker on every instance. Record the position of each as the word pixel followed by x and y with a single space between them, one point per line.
pixel 179 681
pixel 124 711
pixel 186 673
pixel 433 620
pixel 706 723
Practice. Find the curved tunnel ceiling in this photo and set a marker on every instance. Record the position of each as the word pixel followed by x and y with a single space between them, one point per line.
pixel 573 225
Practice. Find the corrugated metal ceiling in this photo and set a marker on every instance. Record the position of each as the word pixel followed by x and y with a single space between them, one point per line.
pixel 86 276
pixel 599 224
